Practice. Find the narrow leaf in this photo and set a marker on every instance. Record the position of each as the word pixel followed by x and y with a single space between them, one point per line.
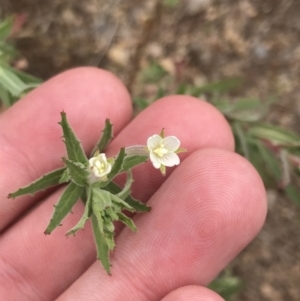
pixel 5 97
pixel 293 193
pixel 5 28
pixel 77 171
pixel 123 204
pixel 137 205
pixel 102 247
pixel 132 161
pixel 66 202
pixel 116 168
pixel 64 177
pixel 127 221
pixel 42 183
pixel 73 145
pixel 276 135
pixel 101 199
pixel 241 137
pixel 127 188
pixel 11 81
pixel 86 215
pixel 106 136
pixel 270 160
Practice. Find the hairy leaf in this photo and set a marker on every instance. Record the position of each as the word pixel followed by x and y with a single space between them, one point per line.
pixel 77 171
pixel 127 221
pixel 65 204
pixel 74 149
pixel 101 244
pixel 126 191
pixel 138 206
pixel 132 161
pixel 107 135
pixel 42 183
pixel 116 168
pixel 64 177
pixel 86 215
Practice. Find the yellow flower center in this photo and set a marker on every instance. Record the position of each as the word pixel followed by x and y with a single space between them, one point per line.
pixel 160 151
pixel 100 166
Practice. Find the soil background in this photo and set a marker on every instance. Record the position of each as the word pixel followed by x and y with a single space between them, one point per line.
pixel 196 41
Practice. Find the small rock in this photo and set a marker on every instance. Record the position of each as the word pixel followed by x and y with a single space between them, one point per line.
pixel 194 7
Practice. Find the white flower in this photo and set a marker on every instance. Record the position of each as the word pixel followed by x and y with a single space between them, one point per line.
pixel 100 167
pixel 162 151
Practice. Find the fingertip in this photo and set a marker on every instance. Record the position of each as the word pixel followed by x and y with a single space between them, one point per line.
pixel 192 293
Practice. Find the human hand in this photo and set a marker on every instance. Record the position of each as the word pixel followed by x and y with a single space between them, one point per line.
pixel 204 212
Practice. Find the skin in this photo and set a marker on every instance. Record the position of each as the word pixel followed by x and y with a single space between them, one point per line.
pixel 204 212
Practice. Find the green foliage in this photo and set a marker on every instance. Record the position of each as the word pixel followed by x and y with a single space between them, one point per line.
pixel 273 150
pixel 13 83
pixel 226 286
pixel 64 205
pixel 153 73
pixel 131 161
pixel 104 201
pixel 48 180
pixel 138 206
pixel 171 3
pixel 73 145
pixel 77 172
pixel 106 137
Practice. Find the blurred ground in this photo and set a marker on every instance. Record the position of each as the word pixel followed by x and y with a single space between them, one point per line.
pixel 196 41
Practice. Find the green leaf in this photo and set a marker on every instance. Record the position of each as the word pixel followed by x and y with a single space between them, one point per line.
pixel 116 168
pixel 244 109
pixel 64 177
pixel 118 201
pixel 240 136
pixel 126 191
pixel 106 136
pixel 153 73
pixel 138 206
pixel 270 160
pixel 11 82
pixel 77 171
pixel 127 221
pixel 42 183
pixel 28 79
pixel 140 102
pixel 276 135
pixel 222 86
pixel 86 215
pixel 101 244
pixel 5 96
pixel 293 193
pixel 65 204
pixel 101 199
pixel 226 286
pixel 132 161
pixel 5 28
pixel 73 145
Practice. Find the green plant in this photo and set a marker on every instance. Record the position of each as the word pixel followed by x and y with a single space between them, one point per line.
pixel 226 285
pixel 13 83
pixel 273 150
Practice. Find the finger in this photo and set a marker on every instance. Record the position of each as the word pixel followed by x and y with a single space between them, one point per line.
pixel 192 293
pixel 64 256
pixel 196 123
pixel 30 136
pixel 209 209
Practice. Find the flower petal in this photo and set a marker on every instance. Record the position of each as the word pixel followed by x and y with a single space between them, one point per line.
pixel 155 161
pixel 153 142
pixel 169 160
pixel 171 143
